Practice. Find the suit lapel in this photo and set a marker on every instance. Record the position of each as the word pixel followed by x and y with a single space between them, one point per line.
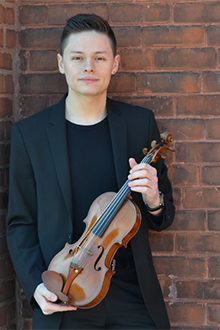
pixel 58 144
pixel 118 132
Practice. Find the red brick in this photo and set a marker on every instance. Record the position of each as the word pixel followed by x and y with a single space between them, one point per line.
pixel 214 314
pixel 136 59
pixel 192 313
pixel 177 196
pixel 4 153
pixel 5 61
pixel 26 309
pixel 213 35
pixel 128 36
pixel 2 84
pixel 1 14
pixel 2 131
pixel 198 289
pixel 1 38
pixel 161 242
pixel 210 175
pixel 126 13
pixel 183 129
pixel 198 105
pixel 194 58
pixel 213 131
pixel 3 247
pixel 123 83
pixel 184 175
pixel 2 225
pixel 23 57
pixel 5 107
pixel 173 35
pixel 6 268
pixel 42 83
pixel 157 12
pixel 43 60
pixel 172 82
pixel 7 290
pixel 197 243
pixel 213 220
pixel 160 105
pixel 9 16
pixel 3 315
pixel 189 220
pixel 41 38
pixel 9 84
pixel 10 38
pixel 202 198
pixel 32 14
pixel 214 266
pixel 180 266
pixel 197 152
pixel 58 14
pixel 206 12
pixel 219 57
pixel 211 82
pixel 31 105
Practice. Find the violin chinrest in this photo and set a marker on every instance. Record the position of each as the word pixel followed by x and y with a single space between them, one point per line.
pixel 54 283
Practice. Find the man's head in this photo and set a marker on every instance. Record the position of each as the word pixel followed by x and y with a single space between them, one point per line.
pixel 87 22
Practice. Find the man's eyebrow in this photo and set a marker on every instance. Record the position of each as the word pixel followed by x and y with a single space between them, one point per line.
pixel 79 52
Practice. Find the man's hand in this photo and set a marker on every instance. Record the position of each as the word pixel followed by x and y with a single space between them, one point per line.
pixel 46 300
pixel 143 179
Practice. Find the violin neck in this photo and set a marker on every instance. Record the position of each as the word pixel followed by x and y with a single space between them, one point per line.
pixel 112 208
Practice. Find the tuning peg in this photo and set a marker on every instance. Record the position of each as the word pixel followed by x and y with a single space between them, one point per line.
pixel 171 149
pixel 153 143
pixel 164 156
pixel 145 150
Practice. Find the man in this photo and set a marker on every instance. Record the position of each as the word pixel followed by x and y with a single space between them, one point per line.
pixel 62 159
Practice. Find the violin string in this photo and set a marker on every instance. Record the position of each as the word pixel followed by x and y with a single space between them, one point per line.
pixel 118 198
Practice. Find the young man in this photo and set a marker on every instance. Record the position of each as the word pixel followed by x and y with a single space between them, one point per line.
pixel 61 160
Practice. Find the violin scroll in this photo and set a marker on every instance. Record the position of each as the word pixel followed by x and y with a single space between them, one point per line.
pixel 160 148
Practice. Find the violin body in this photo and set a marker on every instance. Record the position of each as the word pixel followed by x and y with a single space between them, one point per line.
pixel 85 266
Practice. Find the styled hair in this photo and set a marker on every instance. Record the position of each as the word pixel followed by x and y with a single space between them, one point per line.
pixel 87 22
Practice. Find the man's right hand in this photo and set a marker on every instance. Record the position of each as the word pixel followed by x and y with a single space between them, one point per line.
pixel 46 300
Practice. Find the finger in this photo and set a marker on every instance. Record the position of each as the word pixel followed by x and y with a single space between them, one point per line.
pixel 48 295
pixel 146 167
pixel 143 174
pixel 132 162
pixel 51 308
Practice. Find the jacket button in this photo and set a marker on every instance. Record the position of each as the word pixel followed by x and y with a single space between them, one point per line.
pixel 70 236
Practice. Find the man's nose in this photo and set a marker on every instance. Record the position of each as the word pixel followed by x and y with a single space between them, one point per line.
pixel 89 66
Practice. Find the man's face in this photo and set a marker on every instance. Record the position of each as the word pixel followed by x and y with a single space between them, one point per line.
pixel 88 63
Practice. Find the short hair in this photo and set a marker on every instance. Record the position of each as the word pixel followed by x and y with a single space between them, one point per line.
pixel 87 22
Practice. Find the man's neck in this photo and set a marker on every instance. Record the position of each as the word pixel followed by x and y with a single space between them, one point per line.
pixel 85 110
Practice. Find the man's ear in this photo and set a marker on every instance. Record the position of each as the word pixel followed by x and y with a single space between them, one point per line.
pixel 60 63
pixel 116 64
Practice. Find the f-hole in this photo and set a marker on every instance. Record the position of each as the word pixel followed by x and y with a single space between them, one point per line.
pixel 99 257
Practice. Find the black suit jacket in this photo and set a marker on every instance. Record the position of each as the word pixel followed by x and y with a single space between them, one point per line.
pixel 40 208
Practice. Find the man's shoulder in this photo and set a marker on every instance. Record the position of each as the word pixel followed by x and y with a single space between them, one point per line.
pixel 39 119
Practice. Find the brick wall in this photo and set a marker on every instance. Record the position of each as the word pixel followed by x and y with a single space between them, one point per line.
pixel 7 52
pixel 170 63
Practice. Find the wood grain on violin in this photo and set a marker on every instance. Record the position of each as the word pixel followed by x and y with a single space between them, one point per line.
pixel 80 273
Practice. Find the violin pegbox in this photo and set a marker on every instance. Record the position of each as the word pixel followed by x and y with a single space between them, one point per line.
pixel 159 149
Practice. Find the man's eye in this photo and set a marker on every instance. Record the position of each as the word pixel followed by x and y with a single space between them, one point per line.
pixel 100 58
pixel 77 58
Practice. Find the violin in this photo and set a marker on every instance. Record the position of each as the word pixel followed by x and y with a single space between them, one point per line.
pixel 80 273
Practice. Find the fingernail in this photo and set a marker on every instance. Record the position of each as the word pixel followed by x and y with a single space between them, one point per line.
pixel 53 297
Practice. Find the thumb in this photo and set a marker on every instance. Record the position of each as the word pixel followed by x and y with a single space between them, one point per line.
pixel 132 162
pixel 49 295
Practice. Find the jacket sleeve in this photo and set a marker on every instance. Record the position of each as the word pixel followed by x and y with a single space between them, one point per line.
pixel 165 220
pixel 22 237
